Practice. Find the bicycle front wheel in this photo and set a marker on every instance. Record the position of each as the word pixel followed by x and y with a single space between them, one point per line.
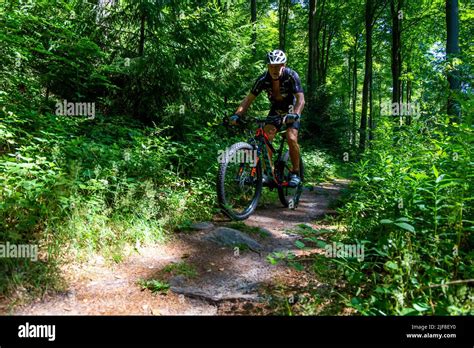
pixel 239 181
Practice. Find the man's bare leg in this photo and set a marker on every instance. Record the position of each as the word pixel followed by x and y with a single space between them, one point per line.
pixel 292 138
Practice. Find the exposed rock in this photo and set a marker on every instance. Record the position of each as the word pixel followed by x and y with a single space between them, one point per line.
pixel 231 237
pixel 177 281
pixel 214 296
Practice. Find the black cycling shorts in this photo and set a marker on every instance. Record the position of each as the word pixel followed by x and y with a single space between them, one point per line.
pixel 278 123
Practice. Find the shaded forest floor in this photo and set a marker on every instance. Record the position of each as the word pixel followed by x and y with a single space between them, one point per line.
pixel 192 275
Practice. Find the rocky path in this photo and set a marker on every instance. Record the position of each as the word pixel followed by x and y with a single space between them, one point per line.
pixel 217 268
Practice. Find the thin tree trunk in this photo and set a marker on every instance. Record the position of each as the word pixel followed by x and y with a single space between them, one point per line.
pixel 402 117
pixel 396 49
pixel 452 51
pixel 312 54
pixel 283 10
pixel 408 99
pixel 321 57
pixel 319 23
pixel 141 45
pixel 371 113
pixel 379 92
pixel 369 6
pixel 253 19
pixel 349 77
pixel 354 93
pixel 325 58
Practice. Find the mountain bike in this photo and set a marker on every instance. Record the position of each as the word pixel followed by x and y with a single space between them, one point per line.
pixel 246 167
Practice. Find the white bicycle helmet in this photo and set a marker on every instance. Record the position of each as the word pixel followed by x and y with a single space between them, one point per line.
pixel 276 57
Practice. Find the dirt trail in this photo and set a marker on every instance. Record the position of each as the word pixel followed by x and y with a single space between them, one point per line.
pixel 227 281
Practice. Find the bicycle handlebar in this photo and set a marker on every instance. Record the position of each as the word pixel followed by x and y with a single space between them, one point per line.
pixel 244 122
pixel 266 119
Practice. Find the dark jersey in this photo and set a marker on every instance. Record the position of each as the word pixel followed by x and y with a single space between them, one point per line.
pixel 289 84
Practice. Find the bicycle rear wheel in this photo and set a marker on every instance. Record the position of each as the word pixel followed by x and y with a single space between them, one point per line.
pixel 239 182
pixel 289 196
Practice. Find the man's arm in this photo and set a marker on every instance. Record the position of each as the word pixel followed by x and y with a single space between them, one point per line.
pixel 298 109
pixel 242 109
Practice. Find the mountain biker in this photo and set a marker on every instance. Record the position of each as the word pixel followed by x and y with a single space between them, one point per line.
pixel 283 87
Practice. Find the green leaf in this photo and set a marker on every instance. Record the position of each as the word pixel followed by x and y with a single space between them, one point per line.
pixel 405 226
pixel 297 266
pixel 320 243
pixel 381 290
pixel 386 221
pixel 355 301
pixel 435 171
pixel 380 252
pixel 299 244
pixel 272 260
pixel 421 307
pixel 390 265
pixel 408 311
pixel 403 219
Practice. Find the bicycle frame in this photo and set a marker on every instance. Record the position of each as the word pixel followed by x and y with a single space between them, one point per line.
pixel 264 145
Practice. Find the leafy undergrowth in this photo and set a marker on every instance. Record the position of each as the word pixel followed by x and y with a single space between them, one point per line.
pixel 77 186
pixel 409 207
pixel 408 214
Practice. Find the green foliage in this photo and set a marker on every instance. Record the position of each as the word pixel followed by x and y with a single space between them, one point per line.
pixel 410 202
pixel 319 166
pixel 93 186
pixel 155 286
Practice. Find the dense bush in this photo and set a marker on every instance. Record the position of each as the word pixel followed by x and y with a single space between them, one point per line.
pixel 410 206
pixel 95 185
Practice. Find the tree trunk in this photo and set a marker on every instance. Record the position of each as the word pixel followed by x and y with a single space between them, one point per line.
pixel 253 19
pixel 141 45
pixel 320 50
pixel 354 92
pixel 371 113
pixel 452 51
pixel 408 98
pixel 312 54
pixel 326 41
pixel 379 92
pixel 283 10
pixel 349 78
pixel 395 10
pixel 369 8
pixel 321 57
